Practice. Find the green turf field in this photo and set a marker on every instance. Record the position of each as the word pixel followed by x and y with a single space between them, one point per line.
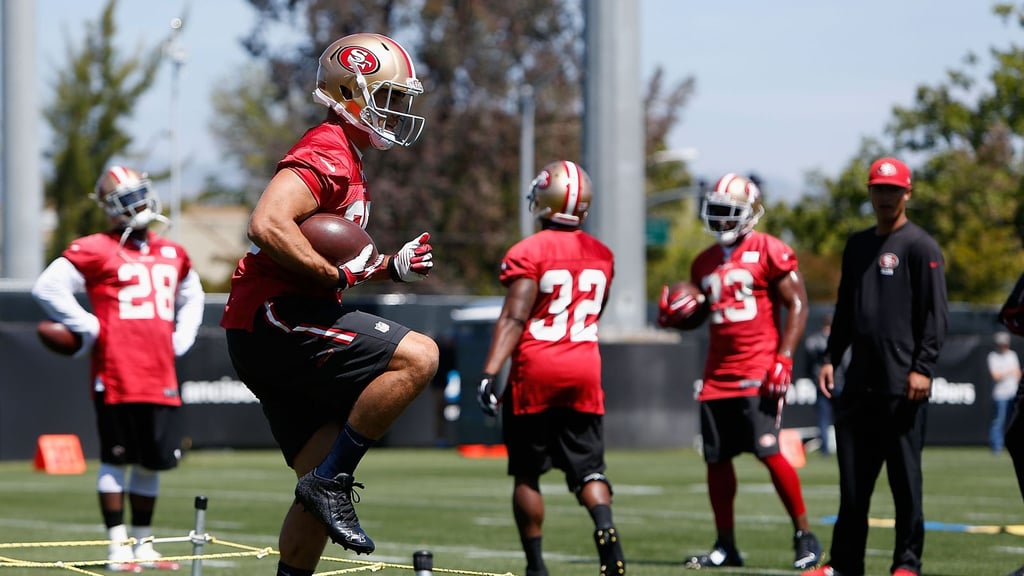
pixel 460 510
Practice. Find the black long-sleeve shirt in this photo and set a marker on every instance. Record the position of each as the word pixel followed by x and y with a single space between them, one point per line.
pixel 891 308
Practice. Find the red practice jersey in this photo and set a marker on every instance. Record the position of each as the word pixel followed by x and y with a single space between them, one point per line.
pixel 742 322
pixel 327 162
pixel 132 290
pixel 557 362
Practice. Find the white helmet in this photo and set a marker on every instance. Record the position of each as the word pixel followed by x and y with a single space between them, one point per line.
pixel 370 81
pixel 731 208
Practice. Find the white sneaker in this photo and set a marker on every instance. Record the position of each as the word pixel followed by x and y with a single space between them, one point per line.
pixel 119 559
pixel 150 558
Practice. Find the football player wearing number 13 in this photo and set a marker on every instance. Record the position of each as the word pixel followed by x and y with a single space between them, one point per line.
pixel 748 277
pixel 147 306
pixel 552 407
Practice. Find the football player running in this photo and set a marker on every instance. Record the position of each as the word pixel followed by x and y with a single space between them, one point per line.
pixel 749 278
pixel 147 305
pixel 553 404
pixel 331 379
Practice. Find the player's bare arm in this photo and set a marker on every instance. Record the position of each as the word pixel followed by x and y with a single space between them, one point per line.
pixel 511 322
pixel 793 295
pixel 274 228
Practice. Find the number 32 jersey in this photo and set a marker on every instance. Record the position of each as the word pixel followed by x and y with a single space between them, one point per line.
pixel 557 362
pixel 744 335
pixel 132 290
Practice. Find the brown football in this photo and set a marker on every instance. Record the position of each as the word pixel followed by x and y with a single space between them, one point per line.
pixel 684 314
pixel 58 338
pixel 336 238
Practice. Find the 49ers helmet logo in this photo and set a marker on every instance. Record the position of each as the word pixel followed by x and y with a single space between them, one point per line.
pixel 543 179
pixel 358 59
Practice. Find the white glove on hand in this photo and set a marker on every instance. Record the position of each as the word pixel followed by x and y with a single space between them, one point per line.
pixel 486 397
pixel 414 261
pixel 358 269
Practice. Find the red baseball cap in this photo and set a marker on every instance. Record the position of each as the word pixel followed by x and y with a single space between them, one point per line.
pixel 889 171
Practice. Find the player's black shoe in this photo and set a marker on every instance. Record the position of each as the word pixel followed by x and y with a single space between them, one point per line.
pixel 720 555
pixel 807 550
pixel 330 500
pixel 1017 572
pixel 613 563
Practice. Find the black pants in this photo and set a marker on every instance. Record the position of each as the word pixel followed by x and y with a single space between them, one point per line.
pixel 871 430
pixel 1015 437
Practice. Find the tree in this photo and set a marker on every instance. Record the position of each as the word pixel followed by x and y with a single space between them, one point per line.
pixel 967 182
pixel 96 91
pixel 461 180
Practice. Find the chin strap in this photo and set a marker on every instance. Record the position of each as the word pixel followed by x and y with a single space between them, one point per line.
pixel 376 140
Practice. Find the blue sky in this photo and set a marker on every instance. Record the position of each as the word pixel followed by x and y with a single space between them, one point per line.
pixel 783 87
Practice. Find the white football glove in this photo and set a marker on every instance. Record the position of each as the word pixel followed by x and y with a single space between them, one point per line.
pixel 486 396
pixel 414 261
pixel 358 269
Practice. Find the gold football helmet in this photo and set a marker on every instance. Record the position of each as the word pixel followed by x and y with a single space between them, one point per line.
pixel 731 208
pixel 561 193
pixel 370 81
pixel 127 197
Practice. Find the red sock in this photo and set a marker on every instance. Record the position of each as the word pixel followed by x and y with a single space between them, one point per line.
pixel 722 492
pixel 787 484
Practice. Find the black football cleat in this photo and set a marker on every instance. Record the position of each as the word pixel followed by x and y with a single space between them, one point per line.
pixel 719 556
pixel 613 563
pixel 330 500
pixel 806 549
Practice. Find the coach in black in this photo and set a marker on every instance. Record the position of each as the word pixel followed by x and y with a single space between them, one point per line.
pixel 892 312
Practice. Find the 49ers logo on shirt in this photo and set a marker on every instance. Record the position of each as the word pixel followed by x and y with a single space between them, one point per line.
pixel 358 59
pixel 887 263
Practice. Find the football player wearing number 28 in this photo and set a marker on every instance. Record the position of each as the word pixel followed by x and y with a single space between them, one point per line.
pixel 748 277
pixel 331 380
pixel 147 305
pixel 552 408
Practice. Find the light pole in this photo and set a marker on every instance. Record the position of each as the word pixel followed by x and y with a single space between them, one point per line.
pixel 177 56
pixel 526 152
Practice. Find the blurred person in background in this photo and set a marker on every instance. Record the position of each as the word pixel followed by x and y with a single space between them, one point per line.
pixel 816 348
pixel 331 379
pixel 553 405
pixel 892 313
pixel 147 305
pixel 752 282
pixel 1004 368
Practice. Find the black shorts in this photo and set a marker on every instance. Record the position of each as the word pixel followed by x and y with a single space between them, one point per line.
pixel 731 426
pixel 308 361
pixel 146 434
pixel 561 438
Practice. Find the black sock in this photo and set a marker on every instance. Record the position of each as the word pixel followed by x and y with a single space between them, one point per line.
pixel 602 515
pixel 534 556
pixel 286 570
pixel 113 518
pixel 349 448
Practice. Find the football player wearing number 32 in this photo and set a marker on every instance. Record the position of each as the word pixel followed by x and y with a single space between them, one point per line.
pixel 748 277
pixel 331 379
pixel 552 407
pixel 147 306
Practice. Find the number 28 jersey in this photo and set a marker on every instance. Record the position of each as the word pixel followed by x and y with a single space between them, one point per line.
pixel 132 290
pixel 744 335
pixel 557 362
